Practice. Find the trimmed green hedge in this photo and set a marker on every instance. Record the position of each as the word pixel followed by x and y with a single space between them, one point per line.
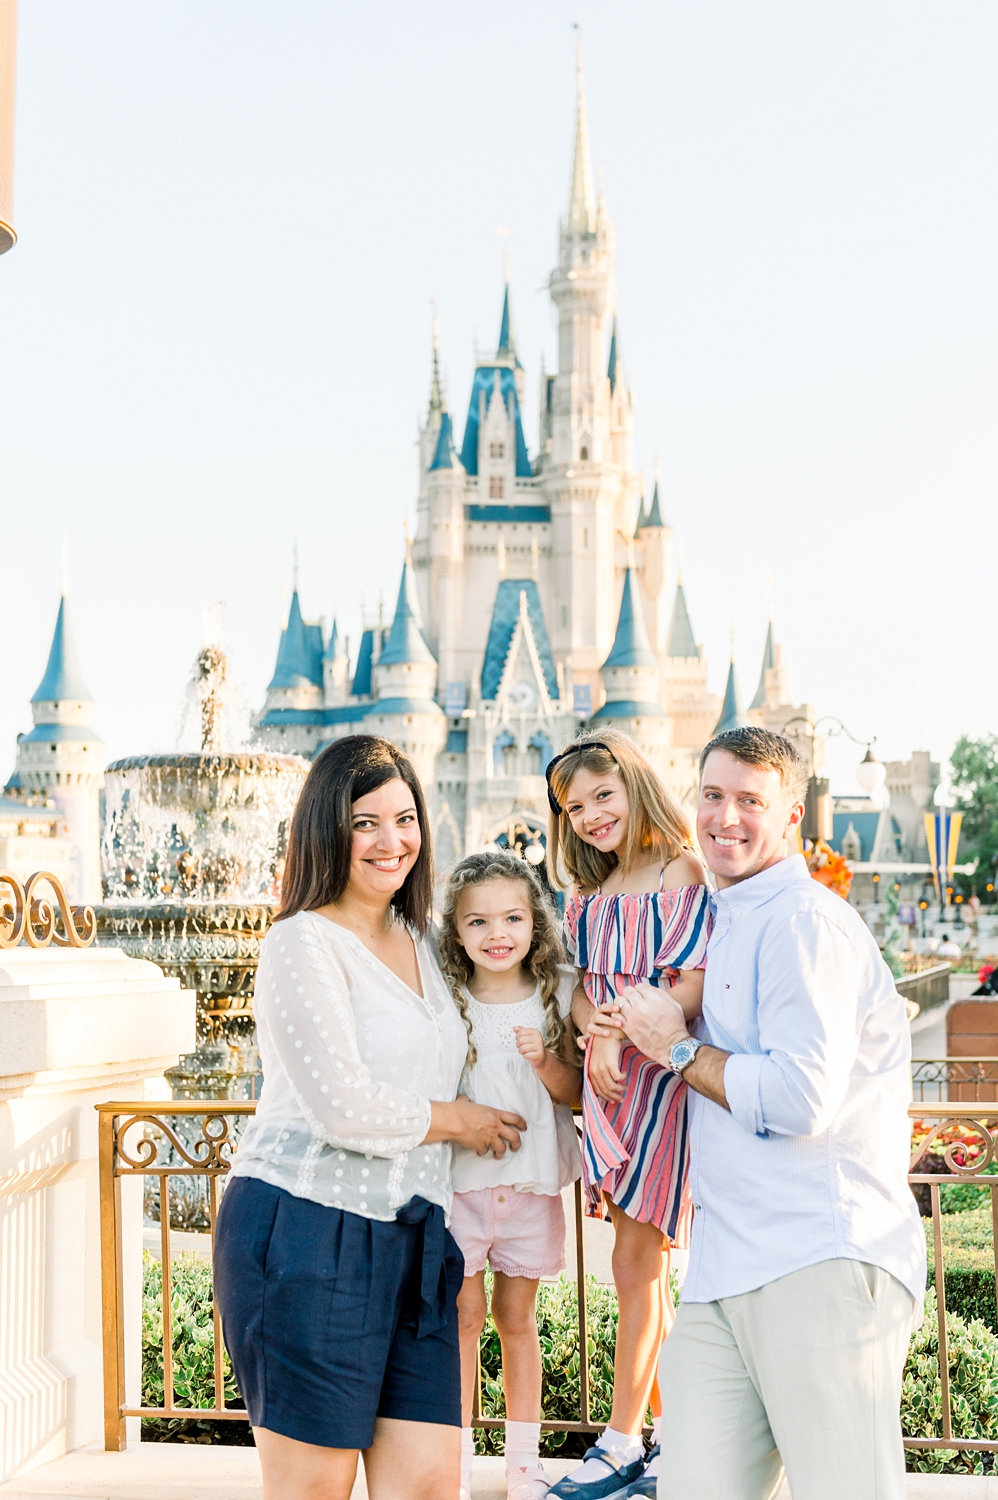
pixel 969 1264
pixel 973 1349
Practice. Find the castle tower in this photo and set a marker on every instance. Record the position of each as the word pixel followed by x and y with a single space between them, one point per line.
pixel 631 679
pixel 692 708
pixel 335 670
pixel 653 538
pixel 404 681
pixel 584 440
pixel 297 682
pixel 771 706
pixel 62 757
pixel 732 715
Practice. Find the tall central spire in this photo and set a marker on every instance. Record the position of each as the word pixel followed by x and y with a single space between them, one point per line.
pixel 581 198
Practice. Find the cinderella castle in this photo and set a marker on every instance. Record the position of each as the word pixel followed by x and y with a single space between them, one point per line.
pixel 535 596
pixel 535 600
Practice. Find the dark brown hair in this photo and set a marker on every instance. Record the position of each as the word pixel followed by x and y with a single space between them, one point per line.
pixel 321 836
pixel 761 747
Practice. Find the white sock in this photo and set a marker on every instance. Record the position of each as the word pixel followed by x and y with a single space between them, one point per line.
pixel 522 1445
pixel 626 1446
pixel 467 1454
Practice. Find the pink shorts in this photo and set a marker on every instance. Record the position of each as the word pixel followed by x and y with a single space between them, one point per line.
pixel 519 1234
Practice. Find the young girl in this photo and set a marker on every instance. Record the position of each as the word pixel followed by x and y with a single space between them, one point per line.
pixel 502 955
pixel 638 911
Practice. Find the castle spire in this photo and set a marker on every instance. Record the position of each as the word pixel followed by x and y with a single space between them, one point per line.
pixel 63 679
pixel 768 663
pixel 614 363
pixel 732 716
pixel 631 646
pixel 405 642
pixel 581 198
pixel 437 402
pixel 681 640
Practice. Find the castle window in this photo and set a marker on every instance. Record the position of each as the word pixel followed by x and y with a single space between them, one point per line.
pixel 583 454
pixel 495 487
pixel 497 450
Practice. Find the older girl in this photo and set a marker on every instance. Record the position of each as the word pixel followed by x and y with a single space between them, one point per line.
pixel 638 911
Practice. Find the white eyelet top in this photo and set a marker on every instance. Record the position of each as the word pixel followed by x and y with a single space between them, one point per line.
pixel 351 1058
pixel 549 1156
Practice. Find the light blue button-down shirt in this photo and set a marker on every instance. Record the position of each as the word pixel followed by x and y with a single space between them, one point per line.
pixel 811 1162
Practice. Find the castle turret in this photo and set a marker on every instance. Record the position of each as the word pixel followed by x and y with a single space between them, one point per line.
pixel 653 560
pixel 621 406
pixel 63 758
pixel 631 678
pixel 335 669
pixel 771 705
pixel 404 683
pixel 732 716
pixel 298 680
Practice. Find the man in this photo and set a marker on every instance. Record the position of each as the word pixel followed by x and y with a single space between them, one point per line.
pixel 807 1261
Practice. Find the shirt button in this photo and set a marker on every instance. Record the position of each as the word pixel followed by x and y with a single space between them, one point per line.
pixel 502 1198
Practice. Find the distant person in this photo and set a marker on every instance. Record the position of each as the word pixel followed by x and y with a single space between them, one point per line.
pixel 807 1263
pixel 336 1276
pixel 501 953
pixel 947 948
pixel 639 910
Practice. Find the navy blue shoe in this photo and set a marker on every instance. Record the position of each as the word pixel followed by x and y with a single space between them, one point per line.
pixel 615 1486
pixel 645 1488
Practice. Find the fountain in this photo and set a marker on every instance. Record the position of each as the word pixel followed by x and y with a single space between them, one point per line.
pixel 192 855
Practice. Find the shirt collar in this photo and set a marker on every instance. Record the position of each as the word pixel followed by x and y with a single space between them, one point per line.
pixel 759 889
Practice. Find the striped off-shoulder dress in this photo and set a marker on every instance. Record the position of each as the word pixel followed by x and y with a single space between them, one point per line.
pixel 635 1151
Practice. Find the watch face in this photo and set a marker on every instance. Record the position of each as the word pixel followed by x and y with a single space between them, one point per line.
pixel 681 1054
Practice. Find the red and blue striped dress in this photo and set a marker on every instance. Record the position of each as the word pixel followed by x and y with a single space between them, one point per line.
pixel 636 1151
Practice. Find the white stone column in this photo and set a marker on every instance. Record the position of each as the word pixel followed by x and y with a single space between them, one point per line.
pixel 76 1028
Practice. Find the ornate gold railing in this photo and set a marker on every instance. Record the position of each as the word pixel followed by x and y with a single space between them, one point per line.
pixel 955 1080
pixel 38 919
pixel 140 1140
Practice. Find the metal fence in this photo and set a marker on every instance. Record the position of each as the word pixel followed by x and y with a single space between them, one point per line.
pixel 955 1080
pixel 156 1140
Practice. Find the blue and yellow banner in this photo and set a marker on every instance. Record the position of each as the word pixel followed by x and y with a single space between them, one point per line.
pixel 942 832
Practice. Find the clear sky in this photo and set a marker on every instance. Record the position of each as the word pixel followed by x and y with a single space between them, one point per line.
pixel 215 329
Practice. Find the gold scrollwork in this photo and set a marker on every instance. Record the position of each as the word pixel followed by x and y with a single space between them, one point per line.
pixel 977 1144
pixel 210 1153
pixel 37 918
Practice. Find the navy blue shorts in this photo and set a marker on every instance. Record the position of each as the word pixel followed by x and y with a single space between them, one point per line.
pixel 333 1320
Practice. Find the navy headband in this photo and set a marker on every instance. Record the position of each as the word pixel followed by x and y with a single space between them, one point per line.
pixel 572 750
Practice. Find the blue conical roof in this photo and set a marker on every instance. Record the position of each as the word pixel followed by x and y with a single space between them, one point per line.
pixel 611 368
pixel 642 520
pixel 445 456
pixel 63 679
pixel 631 646
pixel 298 661
pixel 768 663
pixel 507 342
pixel 405 641
pixel 731 709
pixel 333 647
pixel 655 509
pixel 681 641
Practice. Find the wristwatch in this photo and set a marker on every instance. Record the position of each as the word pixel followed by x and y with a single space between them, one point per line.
pixel 682 1053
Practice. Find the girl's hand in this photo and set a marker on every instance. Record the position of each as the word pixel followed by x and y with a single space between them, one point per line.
pixel 530 1044
pixel 606 1022
pixel 604 1068
pixel 482 1128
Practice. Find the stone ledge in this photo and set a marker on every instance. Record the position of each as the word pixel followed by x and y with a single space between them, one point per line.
pixel 168 1471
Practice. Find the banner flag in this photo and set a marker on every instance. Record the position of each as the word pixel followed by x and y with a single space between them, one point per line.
pixel 942 833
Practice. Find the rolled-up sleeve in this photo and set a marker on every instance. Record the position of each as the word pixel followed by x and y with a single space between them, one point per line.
pixel 808 1032
pixel 303 997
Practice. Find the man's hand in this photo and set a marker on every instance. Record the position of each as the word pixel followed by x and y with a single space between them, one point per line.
pixel 530 1044
pixel 651 1018
pixel 604 1068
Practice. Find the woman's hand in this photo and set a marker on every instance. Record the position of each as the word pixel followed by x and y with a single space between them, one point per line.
pixel 604 1068
pixel 479 1127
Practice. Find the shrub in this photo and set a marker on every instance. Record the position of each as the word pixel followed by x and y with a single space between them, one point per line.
pixel 193 1358
pixel 973 1374
pixel 968 1264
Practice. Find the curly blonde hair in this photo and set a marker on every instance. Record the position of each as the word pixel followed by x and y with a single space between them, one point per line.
pixel 654 821
pixel 543 957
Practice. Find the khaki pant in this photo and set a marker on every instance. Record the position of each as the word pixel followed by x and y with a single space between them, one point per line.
pixel 803 1373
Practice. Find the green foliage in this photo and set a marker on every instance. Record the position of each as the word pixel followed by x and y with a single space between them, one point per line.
pixel 961 1197
pixel 968 1264
pixel 193 1357
pixel 974 766
pixel 973 1375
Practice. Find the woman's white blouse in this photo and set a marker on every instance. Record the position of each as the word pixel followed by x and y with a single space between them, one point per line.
pixel 351 1058
pixel 549 1157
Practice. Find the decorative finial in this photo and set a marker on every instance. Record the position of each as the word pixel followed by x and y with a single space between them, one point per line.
pixel 656 468
pixel 679 568
pixel 63 564
pixel 732 635
pixel 504 234
pixel 294 564
pixel 769 598
pixel 406 532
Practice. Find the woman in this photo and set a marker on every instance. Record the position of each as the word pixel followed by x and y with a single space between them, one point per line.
pixel 335 1275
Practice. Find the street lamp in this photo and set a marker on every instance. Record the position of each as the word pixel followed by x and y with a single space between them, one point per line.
pixel 876 888
pixel 870 773
pixel 923 907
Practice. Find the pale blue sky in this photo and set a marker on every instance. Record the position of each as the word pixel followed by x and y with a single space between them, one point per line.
pixel 215 328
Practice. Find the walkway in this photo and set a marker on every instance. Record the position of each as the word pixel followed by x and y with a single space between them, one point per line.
pixel 177 1471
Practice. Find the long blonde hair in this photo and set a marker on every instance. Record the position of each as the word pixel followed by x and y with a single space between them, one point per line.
pixel 543 956
pixel 654 820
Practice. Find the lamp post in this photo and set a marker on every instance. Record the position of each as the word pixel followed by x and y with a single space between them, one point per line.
pixel 923 906
pixel 870 773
